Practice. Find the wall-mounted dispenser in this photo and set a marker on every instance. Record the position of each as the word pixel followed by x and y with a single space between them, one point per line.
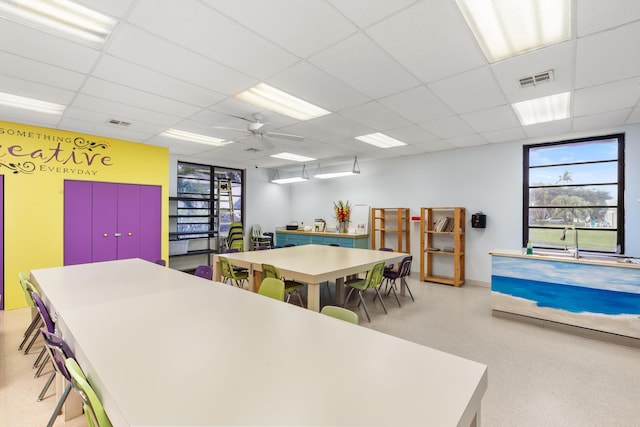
pixel 478 220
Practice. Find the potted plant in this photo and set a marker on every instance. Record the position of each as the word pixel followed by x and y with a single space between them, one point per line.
pixel 343 213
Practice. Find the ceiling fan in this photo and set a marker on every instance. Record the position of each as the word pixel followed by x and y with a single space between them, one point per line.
pixel 257 128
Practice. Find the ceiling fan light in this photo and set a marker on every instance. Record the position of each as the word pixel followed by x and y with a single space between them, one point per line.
pixel 195 137
pixel 273 99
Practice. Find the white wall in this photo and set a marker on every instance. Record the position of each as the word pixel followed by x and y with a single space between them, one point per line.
pixel 487 178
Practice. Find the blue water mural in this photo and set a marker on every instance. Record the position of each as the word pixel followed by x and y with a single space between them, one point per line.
pixel 566 297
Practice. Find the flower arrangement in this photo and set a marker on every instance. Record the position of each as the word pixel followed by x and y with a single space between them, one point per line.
pixel 343 210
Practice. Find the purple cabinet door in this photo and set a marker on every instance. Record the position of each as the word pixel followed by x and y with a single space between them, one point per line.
pixel 129 217
pixel 77 222
pixel 2 241
pixel 151 225
pixel 104 206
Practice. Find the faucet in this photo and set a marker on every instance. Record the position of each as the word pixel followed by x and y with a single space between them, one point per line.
pixel 576 254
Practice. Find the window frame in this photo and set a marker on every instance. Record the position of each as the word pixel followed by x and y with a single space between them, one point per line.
pixel 620 226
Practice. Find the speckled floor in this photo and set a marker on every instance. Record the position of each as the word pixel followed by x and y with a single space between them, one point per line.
pixel 537 377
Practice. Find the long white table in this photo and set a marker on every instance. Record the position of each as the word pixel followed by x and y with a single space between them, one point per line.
pixel 312 264
pixel 164 348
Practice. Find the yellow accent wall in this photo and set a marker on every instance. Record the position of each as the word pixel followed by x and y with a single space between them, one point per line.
pixel 35 162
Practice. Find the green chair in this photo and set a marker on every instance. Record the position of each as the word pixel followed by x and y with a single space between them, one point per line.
pixel 36 322
pixel 373 280
pixel 340 313
pixel 228 273
pixel 272 288
pixel 290 286
pixel 93 410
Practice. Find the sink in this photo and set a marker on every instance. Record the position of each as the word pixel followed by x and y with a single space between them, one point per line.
pixel 612 258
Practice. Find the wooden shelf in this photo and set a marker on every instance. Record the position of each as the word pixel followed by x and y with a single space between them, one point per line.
pixel 442 226
pixel 385 221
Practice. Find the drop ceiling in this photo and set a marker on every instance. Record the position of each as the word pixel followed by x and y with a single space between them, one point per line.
pixel 409 69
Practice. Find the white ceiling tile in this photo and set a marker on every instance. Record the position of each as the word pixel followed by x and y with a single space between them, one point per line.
pixel 504 135
pixel 409 37
pixel 27 117
pixel 597 15
pixel 437 145
pixel 128 113
pixel 115 8
pixel 29 89
pixel 208 32
pixel 412 135
pixel 143 130
pixel 39 72
pixel 317 87
pixel 114 92
pixel 342 126
pixel 143 48
pixel 470 91
pixel 610 119
pixel 548 129
pixel 608 56
pixel 634 117
pixel 126 74
pixel 86 125
pixel 300 27
pixel 39 46
pixel 448 127
pixel 376 116
pixel 366 12
pixel 466 141
pixel 502 117
pixel 361 64
pixel 418 105
pixel 607 97
pixel 558 58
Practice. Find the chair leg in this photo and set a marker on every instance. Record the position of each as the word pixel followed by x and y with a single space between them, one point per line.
pixel 346 300
pixel 364 305
pixel 56 411
pixel 42 365
pixel 33 340
pixel 406 285
pixel 395 294
pixel 329 291
pixel 300 298
pixel 30 329
pixel 384 307
pixel 46 385
pixel 43 352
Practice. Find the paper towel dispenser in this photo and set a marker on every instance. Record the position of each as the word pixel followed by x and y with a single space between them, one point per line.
pixel 478 220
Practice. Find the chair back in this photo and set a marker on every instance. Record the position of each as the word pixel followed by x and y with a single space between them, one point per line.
pixel 92 406
pixel 204 271
pixel 226 270
pixel 405 266
pixel 340 313
pixel 25 284
pixel 44 313
pixel 256 230
pixel 59 351
pixel 238 245
pixel 375 276
pixel 272 288
pixel 161 262
pixel 271 271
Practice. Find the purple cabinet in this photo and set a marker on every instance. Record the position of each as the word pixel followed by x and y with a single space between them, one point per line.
pixel 107 221
pixel 2 241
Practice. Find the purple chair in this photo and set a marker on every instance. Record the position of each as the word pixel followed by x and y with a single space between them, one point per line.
pixel 50 327
pixel 161 262
pixel 59 352
pixel 204 271
pixel 401 273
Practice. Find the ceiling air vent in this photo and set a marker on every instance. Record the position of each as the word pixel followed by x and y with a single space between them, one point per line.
pixel 543 77
pixel 252 150
pixel 118 122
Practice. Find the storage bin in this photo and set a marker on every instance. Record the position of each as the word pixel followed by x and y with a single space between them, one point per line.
pixel 178 247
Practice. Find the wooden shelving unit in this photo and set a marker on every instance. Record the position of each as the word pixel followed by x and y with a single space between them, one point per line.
pixel 442 235
pixel 386 221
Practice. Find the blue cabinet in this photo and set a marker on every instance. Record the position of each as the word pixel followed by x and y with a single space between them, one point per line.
pixel 284 237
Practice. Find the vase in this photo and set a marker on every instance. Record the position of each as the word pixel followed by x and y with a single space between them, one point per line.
pixel 343 226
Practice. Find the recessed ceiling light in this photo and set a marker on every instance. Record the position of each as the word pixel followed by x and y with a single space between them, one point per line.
pixel 292 157
pixel 380 140
pixel 61 17
pixel 545 109
pixel 195 137
pixel 281 102
pixel 16 101
pixel 506 28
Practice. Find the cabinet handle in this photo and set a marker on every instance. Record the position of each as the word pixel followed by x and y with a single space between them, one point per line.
pixel 117 234
pixel 105 235
pixel 129 234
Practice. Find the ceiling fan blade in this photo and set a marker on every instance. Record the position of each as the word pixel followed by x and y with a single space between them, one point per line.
pixel 285 136
pixel 265 141
pixel 228 128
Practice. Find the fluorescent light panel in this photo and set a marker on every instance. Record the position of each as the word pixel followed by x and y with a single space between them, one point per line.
pixel 281 102
pixel 196 137
pixel 292 157
pixel 506 28
pixel 380 140
pixel 334 175
pixel 289 180
pixel 545 109
pixel 24 103
pixel 61 17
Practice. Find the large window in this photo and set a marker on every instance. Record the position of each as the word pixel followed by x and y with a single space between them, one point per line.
pixel 576 184
pixel 201 205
